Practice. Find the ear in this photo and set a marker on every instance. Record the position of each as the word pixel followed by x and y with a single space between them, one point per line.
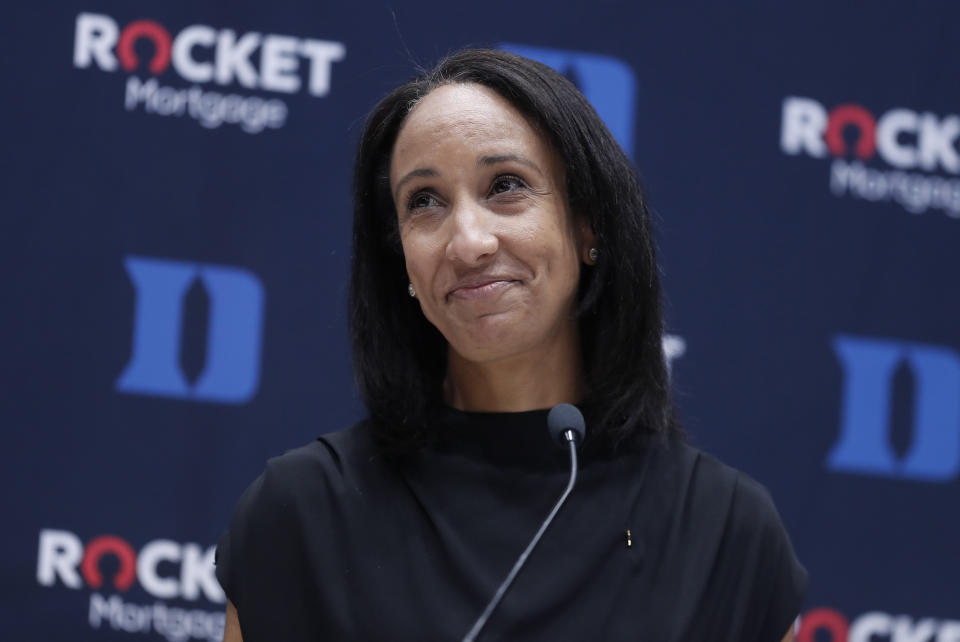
pixel 586 239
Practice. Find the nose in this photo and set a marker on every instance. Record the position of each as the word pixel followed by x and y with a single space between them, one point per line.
pixel 473 239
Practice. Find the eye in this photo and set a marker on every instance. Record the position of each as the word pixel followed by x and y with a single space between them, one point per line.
pixel 506 183
pixel 420 200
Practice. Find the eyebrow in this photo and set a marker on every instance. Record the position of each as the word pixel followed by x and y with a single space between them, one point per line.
pixel 417 173
pixel 486 161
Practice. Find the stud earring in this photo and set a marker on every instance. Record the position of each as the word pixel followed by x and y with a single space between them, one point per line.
pixel 593 254
pixel 411 291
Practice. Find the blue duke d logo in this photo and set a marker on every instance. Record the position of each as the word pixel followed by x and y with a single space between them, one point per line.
pixel 607 82
pixel 865 446
pixel 232 369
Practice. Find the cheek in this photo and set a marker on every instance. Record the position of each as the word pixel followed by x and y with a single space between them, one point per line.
pixel 564 268
pixel 559 249
pixel 419 257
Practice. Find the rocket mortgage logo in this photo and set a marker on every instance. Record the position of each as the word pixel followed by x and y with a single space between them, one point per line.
pixel 900 156
pixel 185 600
pixel 200 56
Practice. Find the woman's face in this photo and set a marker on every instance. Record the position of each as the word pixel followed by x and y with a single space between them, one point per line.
pixel 489 242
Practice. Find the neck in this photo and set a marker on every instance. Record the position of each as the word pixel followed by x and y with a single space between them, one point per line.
pixel 540 378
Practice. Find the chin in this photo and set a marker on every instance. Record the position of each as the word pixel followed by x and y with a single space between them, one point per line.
pixel 495 342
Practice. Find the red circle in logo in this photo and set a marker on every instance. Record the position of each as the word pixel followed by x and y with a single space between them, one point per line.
pixel 101 546
pixel 850 114
pixel 144 29
pixel 823 619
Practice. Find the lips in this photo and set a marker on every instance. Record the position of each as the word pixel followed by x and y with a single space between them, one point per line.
pixel 480 288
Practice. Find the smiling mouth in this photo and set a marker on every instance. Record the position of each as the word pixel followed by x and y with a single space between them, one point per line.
pixel 478 291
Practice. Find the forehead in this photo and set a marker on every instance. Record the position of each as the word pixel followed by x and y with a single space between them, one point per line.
pixel 467 119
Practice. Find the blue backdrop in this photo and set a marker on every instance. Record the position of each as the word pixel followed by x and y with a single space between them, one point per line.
pixel 176 215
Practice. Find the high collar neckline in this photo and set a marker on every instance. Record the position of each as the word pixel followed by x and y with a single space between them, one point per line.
pixel 501 438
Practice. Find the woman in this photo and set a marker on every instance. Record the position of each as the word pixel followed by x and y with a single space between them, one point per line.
pixel 504 263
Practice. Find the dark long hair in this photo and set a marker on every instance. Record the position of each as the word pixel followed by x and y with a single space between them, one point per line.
pixel 400 358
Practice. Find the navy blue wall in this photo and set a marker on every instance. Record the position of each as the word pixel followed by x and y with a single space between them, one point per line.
pixel 176 214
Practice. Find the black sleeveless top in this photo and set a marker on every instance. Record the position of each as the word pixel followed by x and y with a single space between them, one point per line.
pixel 334 542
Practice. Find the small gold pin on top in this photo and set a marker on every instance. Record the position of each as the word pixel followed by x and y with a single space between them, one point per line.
pixel 629 539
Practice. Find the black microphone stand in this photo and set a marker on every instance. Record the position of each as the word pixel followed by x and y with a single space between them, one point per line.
pixel 571 437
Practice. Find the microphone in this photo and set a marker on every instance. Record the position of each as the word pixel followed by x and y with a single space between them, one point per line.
pixel 566 423
pixel 567 426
